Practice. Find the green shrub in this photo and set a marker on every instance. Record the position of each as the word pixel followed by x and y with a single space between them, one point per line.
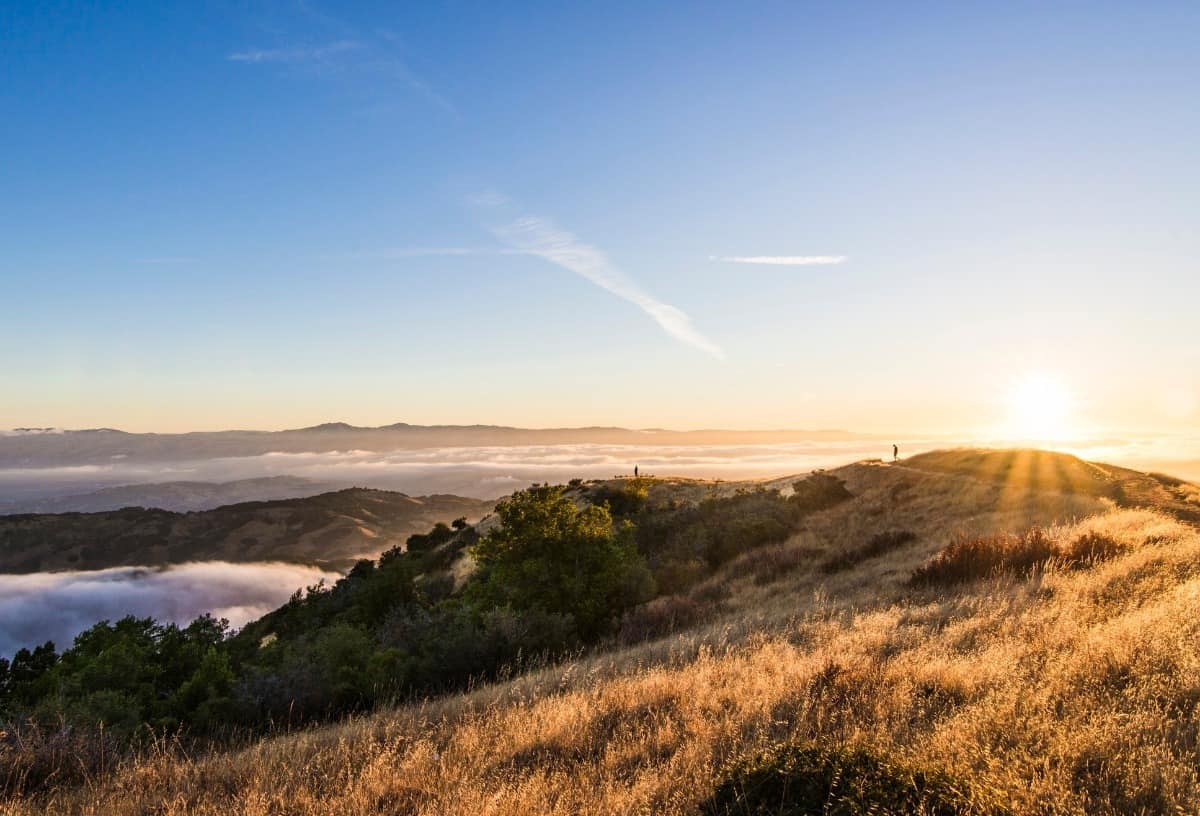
pixel 625 498
pixel 440 534
pixel 819 491
pixel 676 539
pixel 547 555
pixel 807 780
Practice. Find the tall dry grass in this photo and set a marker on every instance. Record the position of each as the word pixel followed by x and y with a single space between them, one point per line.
pixel 1075 691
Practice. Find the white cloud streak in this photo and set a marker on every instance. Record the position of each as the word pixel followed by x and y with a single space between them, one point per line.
pixel 368 55
pixel 538 236
pixel 781 260
pixel 427 252
pixel 294 55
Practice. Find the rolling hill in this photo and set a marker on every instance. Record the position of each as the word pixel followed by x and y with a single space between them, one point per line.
pixel 330 530
pixel 178 496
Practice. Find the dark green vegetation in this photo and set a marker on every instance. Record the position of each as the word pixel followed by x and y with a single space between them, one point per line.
pixel 684 543
pixel 550 558
pixel 807 780
pixel 559 572
pixel 332 529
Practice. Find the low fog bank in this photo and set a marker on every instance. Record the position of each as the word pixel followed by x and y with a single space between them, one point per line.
pixel 478 472
pixel 492 472
pixel 59 605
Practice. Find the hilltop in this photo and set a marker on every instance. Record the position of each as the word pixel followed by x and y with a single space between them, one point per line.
pixel 331 529
pixel 962 632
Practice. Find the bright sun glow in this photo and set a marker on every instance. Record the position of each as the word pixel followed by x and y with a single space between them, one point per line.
pixel 1040 409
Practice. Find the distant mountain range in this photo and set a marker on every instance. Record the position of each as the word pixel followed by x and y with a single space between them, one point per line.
pixel 331 530
pixel 45 447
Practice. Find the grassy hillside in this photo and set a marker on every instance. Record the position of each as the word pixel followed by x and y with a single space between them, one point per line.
pixel 1055 472
pixel 332 529
pixel 950 635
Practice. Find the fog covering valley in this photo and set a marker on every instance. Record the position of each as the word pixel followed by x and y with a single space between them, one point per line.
pixel 58 605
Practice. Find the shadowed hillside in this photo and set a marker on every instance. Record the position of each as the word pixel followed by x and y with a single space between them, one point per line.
pixel 178 496
pixel 332 529
pixel 942 635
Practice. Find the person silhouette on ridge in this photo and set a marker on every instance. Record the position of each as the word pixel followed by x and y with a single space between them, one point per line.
pixel 895 452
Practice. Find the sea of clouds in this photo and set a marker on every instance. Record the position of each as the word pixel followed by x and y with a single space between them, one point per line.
pixel 482 472
pixel 490 472
pixel 59 605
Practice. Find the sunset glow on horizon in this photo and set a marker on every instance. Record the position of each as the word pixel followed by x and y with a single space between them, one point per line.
pixel 371 216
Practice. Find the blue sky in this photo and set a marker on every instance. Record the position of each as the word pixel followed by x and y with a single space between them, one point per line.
pixel 213 216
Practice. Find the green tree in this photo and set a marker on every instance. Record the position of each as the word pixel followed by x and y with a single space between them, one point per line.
pixel 550 556
pixel 206 698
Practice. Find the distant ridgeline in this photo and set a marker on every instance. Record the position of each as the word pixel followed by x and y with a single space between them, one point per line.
pixel 555 569
pixel 329 530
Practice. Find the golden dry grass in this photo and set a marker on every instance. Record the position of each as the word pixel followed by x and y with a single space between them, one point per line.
pixel 1074 692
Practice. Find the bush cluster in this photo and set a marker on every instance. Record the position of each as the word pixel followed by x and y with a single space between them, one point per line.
pixel 662 616
pixel 813 780
pixel 624 498
pixel 683 545
pixel 970 558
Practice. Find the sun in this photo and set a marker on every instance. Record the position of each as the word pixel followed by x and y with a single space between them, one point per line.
pixel 1040 408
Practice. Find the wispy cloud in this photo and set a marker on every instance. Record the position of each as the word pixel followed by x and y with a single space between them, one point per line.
pixel 168 260
pixel 538 236
pixel 375 54
pixel 424 252
pixel 315 53
pixel 781 260
pixel 401 253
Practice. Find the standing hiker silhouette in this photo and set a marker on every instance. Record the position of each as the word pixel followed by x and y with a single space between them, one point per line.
pixel 895 452
pixel 635 471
